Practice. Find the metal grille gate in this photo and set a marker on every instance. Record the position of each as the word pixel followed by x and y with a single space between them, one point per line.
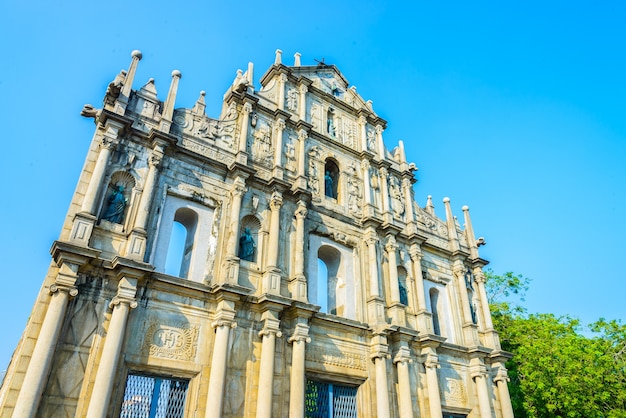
pixel 153 397
pixel 325 400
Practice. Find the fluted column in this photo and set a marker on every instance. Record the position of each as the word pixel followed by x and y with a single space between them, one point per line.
pixel 297 382
pixel 479 375
pixel 432 381
pixel 215 394
pixel 121 304
pixel 266 374
pixel 302 137
pixel 408 203
pixel 468 324
pixel 43 352
pixel 368 207
pixel 479 277
pixel 402 360
pixel 501 380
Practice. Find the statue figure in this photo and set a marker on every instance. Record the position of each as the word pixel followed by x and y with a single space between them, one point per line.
pixel 328 185
pixel 404 297
pixel 117 204
pixel 246 245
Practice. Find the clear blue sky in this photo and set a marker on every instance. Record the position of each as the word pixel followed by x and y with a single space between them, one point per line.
pixel 518 111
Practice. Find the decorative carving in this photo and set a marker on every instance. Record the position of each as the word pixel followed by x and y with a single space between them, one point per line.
pixel 355 196
pixel 397 201
pixel 371 140
pixel 290 154
pixel 330 357
pixel 292 100
pixel 262 147
pixel 315 117
pixel 176 341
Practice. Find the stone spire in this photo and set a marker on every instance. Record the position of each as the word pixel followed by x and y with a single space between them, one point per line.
pixel 296 59
pixel 452 235
pixel 278 59
pixel 430 208
pixel 469 234
pixel 168 107
pixel 200 106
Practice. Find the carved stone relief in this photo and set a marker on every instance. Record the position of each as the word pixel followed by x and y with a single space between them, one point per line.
pixel 176 341
pixel 397 200
pixel 262 144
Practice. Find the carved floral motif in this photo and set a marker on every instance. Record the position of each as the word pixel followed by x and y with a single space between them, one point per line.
pixel 171 341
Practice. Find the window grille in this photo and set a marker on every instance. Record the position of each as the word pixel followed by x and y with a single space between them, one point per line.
pixel 326 400
pixel 153 397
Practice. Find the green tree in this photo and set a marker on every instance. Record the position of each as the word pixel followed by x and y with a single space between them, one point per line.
pixel 558 370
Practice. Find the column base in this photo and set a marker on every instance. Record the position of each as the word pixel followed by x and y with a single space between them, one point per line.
pixel 136 245
pixel 271 281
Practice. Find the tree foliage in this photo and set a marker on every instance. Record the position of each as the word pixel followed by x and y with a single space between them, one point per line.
pixel 559 368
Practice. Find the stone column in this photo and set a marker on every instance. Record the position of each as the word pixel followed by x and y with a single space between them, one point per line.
pixel 362 121
pixel 482 294
pixel 391 246
pixel 297 386
pixel 302 108
pixel 278 148
pixel 432 381
pixel 107 143
pixel 236 195
pixel 379 143
pixel 469 329
pixel 302 137
pixel 479 375
pixel 168 106
pixel 215 394
pixel 501 380
pixel 266 374
pixel 273 247
pixel 371 241
pixel 282 79
pixel 43 352
pixel 121 304
pixel 379 356
pixel 298 287
pixel 245 125
pixel 384 191
pixel 402 360
pixel 136 246
pixel 423 320
pixel 408 203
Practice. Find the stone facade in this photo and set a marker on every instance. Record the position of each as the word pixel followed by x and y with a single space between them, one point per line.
pixel 303 267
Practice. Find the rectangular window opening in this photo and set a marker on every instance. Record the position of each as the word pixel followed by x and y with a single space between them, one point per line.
pixel 328 400
pixel 154 397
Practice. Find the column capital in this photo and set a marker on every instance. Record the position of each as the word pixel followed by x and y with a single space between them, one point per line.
pixel 301 210
pixel 379 129
pixel 108 142
pixel 300 333
pixel 247 107
pixel 383 172
pixel 479 275
pixel 302 134
pixel 379 350
pixel 432 361
pixel 239 187
pixel 415 253
pixel 365 164
pixel 280 124
pixel 276 200
pixel 362 120
pixel 72 291
pixel 403 355
pixel 116 301
pixel 391 245
pixel 303 88
pixel 269 331
pixel 155 158
pixel 501 376
pixel 477 369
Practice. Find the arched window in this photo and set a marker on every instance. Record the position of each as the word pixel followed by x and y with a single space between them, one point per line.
pixel 435 309
pixel 183 239
pixel 402 285
pixel 181 243
pixel 333 285
pixel 331 179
